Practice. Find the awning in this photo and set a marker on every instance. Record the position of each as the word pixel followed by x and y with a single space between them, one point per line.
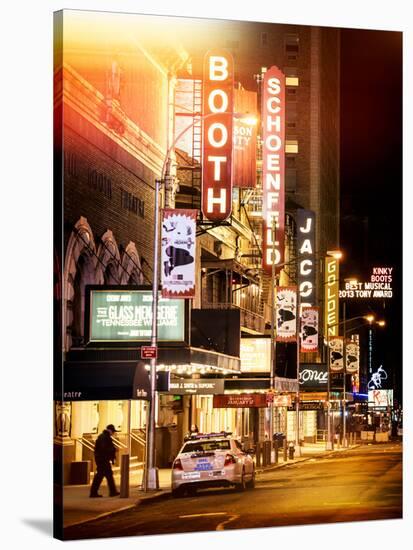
pixel 104 380
pixel 251 384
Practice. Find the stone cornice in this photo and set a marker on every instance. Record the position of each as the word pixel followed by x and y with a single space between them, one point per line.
pixel 81 96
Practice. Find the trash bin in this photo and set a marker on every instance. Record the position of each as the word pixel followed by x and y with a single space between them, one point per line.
pixel 291 451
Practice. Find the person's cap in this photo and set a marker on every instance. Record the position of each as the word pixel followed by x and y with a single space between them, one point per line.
pixel 111 427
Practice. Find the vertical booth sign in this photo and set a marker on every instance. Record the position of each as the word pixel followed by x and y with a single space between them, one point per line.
pixel 306 262
pixel 178 253
pixel 336 354
pixel 217 135
pixel 309 329
pixel 286 314
pixel 273 167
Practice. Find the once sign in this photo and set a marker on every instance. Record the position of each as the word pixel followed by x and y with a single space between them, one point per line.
pixel 218 105
pixel 273 167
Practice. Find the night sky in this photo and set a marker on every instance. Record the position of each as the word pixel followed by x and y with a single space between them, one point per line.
pixel 371 176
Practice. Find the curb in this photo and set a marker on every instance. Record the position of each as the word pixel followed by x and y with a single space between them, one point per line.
pixel 139 502
pixel 285 464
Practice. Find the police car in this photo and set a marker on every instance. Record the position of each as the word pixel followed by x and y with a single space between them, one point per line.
pixel 212 460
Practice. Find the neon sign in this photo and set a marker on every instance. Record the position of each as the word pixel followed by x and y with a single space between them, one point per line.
pixel 305 247
pixel 379 285
pixel 218 103
pixel 331 297
pixel 273 167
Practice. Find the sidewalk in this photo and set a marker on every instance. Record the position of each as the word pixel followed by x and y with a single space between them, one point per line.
pixel 79 508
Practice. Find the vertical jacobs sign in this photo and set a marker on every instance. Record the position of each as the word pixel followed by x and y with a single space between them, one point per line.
pixel 306 265
pixel 331 314
pixel 218 106
pixel 273 166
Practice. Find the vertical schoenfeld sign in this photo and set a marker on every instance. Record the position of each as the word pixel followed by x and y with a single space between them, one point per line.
pixel 217 135
pixel 273 167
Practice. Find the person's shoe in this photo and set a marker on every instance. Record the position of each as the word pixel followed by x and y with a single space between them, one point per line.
pixel 95 496
pixel 114 494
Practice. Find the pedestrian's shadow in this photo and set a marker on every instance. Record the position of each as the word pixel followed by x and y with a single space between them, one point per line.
pixel 45 526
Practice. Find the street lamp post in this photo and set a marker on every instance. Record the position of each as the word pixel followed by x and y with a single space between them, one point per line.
pixel 369 319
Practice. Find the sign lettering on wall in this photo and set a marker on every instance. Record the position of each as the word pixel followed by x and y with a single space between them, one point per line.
pixel 218 107
pixel 331 280
pixel 196 386
pixel 255 354
pixel 126 315
pixel 305 249
pixel 273 167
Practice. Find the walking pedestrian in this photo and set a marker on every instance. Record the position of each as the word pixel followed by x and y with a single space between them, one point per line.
pixel 105 454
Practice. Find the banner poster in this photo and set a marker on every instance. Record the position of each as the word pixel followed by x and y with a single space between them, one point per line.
pixel 352 356
pixel 286 314
pixel 309 329
pixel 178 253
pixel 273 168
pixel 336 354
pixel 306 257
pixel 245 139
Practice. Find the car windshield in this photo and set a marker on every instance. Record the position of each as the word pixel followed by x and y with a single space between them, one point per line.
pixel 204 446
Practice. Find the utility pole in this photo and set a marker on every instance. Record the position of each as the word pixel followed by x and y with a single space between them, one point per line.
pixel 344 374
pixel 151 479
pixel 297 395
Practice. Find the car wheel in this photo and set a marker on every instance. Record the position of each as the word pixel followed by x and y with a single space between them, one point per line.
pixel 191 491
pixel 177 493
pixel 243 485
pixel 251 483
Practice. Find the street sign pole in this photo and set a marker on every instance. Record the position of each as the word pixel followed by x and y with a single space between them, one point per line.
pixel 151 479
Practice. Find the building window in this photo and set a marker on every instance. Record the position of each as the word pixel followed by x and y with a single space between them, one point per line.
pixel 291 146
pixel 292 94
pixel 291 125
pixel 292 81
pixel 291 45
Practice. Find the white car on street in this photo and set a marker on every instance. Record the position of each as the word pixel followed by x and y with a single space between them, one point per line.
pixel 212 460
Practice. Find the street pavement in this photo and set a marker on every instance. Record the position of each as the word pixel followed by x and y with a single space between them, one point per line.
pixel 358 484
pixel 78 507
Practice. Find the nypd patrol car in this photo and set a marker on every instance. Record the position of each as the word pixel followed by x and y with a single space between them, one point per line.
pixel 212 460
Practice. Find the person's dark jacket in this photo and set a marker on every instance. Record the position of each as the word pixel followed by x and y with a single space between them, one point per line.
pixel 105 450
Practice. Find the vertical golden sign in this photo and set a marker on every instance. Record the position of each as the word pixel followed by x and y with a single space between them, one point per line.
pixel 331 304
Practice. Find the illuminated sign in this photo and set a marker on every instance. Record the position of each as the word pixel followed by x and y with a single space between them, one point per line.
pixel 305 248
pixel 331 294
pixel 126 315
pixel 313 376
pixel 196 386
pixel 255 354
pixel 218 105
pixel 245 140
pixel 377 379
pixel 273 167
pixel 379 285
pixel 380 398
